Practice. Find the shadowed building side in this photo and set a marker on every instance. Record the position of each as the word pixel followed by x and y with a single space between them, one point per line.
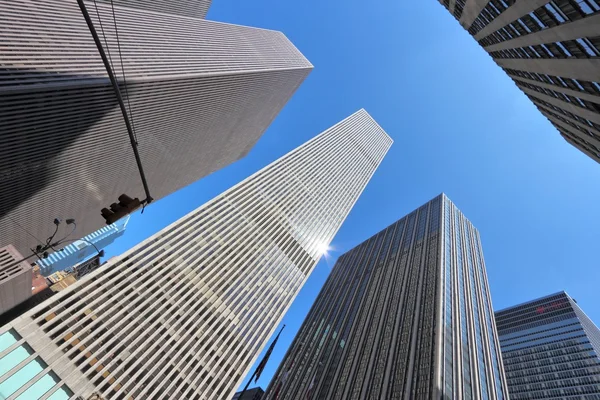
pixel 200 95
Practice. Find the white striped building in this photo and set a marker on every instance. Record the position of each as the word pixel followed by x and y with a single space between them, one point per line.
pixel 184 314
pixel 201 94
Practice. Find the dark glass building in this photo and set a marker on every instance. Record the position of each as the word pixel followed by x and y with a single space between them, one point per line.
pixel 406 314
pixel 551 50
pixel 250 394
pixel 550 349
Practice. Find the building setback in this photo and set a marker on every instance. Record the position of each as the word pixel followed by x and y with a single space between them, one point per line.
pixel 551 50
pixel 200 94
pixel 184 314
pixel 406 314
pixel 551 350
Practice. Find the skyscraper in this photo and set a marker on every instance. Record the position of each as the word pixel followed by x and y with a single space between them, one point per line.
pixel 551 349
pixel 200 94
pixel 185 313
pixel 406 314
pixel 551 50
pixel 81 250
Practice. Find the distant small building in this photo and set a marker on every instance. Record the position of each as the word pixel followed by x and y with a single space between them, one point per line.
pixel 38 281
pixel 250 394
pixel 64 283
pixel 15 279
pixel 550 349
pixel 81 250
pixel 86 267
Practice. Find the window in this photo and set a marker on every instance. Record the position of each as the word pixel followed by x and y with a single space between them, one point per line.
pixel 537 20
pixel 547 50
pixel 564 49
pixel 560 17
pixel 587 46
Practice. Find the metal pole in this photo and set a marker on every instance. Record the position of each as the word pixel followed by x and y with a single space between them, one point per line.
pixel 115 86
pixel 262 363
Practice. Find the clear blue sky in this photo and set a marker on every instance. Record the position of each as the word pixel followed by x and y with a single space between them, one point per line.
pixel 460 126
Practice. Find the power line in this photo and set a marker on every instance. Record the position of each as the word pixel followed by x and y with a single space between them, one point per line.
pixel 123 69
pixel 26 231
pixel 103 35
pixel 115 85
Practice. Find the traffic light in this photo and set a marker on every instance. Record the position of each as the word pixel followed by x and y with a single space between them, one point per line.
pixel 126 205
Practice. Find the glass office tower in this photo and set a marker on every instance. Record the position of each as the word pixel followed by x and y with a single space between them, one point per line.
pixel 184 314
pixel 551 349
pixel 406 314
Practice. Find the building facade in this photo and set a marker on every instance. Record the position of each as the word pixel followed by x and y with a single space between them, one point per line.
pixel 83 249
pixel 185 8
pixel 551 350
pixel 184 314
pixel 15 279
pixel 199 95
pixel 551 50
pixel 406 314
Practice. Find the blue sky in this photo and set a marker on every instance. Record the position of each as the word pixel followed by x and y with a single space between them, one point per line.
pixel 460 126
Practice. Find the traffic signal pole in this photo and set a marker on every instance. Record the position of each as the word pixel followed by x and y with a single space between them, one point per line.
pixel 115 85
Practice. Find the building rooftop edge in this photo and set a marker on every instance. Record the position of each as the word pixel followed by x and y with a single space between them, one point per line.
pixel 531 301
pixel 387 226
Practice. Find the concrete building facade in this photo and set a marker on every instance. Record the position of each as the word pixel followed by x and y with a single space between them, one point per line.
pixel 551 350
pixel 199 95
pixel 406 314
pixel 184 314
pixel 551 50
pixel 15 279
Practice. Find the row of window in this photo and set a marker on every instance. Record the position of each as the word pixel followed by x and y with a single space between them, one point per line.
pixel 580 120
pixel 577 48
pixel 551 14
pixel 580 376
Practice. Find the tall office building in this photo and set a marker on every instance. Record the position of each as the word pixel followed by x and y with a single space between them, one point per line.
pixel 406 314
pixel 551 50
pixel 200 94
pixel 83 249
pixel 551 349
pixel 184 314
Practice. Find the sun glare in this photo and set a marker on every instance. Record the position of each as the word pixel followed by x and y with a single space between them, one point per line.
pixel 323 248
